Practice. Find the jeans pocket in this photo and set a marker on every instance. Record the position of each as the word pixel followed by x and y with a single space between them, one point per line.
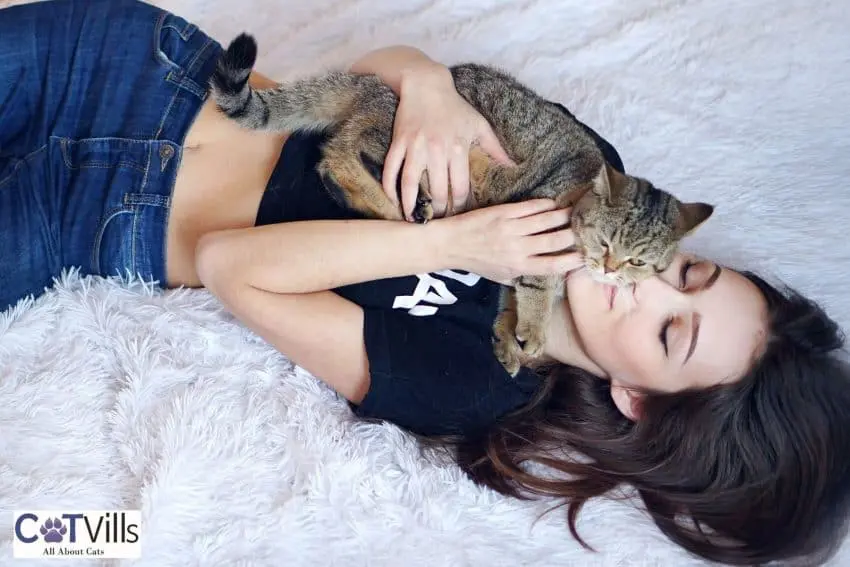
pixel 171 36
pixel 98 227
pixel 181 47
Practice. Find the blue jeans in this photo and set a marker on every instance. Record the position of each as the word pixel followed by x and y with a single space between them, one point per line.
pixel 96 97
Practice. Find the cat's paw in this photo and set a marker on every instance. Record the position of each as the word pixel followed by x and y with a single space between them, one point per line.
pixel 532 336
pixel 508 352
pixel 423 211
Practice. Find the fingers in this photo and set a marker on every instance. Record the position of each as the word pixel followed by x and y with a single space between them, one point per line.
pixel 446 164
pixel 432 158
pixel 438 179
pixel 392 165
pixel 459 177
pixel 558 264
pixel 550 242
pixel 525 208
pixel 488 142
pixel 542 222
pixel 414 164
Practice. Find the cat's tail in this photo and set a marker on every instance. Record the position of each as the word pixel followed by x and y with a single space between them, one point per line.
pixel 313 103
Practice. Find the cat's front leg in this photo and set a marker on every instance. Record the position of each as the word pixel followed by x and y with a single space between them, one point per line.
pixel 350 182
pixel 505 345
pixel 490 182
pixel 535 300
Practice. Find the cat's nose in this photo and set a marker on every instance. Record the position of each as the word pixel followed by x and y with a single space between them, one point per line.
pixel 610 265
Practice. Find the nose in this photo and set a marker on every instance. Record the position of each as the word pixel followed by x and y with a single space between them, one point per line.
pixel 610 264
pixel 657 291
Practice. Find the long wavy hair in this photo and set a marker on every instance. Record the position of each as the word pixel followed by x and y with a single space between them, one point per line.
pixel 741 473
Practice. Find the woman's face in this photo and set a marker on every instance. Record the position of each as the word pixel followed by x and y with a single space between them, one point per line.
pixel 694 325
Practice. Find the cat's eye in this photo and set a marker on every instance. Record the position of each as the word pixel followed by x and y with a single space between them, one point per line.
pixel 637 262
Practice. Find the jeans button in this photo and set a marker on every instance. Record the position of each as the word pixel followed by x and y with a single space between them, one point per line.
pixel 165 154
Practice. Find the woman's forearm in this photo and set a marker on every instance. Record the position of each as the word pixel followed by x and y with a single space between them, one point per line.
pixel 310 256
pixel 393 64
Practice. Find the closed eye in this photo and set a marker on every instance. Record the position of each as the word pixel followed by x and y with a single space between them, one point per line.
pixel 662 336
pixel 683 273
pixel 665 328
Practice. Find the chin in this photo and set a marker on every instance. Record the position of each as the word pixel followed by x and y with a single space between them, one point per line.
pixel 580 289
pixel 586 303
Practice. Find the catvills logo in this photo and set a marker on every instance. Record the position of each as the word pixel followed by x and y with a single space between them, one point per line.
pixel 105 534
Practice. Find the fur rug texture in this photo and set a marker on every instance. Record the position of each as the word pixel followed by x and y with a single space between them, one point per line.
pixel 116 395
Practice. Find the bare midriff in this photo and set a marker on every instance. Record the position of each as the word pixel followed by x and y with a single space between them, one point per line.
pixel 218 186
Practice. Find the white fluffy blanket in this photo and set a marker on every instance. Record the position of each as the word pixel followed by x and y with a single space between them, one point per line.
pixel 113 395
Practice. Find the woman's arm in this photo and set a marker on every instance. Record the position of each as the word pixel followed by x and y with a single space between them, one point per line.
pixel 317 255
pixel 392 64
pixel 274 278
pixel 498 243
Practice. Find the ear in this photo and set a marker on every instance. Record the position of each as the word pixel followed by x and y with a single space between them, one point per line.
pixel 609 184
pixel 691 216
pixel 627 400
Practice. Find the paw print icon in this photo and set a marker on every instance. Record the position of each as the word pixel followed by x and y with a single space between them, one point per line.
pixel 53 529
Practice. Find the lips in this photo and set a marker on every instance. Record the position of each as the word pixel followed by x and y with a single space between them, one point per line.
pixel 612 294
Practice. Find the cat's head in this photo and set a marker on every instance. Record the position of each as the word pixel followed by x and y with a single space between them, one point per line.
pixel 629 230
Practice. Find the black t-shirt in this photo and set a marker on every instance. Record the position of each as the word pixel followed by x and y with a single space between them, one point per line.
pixel 428 336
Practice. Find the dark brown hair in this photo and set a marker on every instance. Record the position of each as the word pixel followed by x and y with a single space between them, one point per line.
pixel 742 473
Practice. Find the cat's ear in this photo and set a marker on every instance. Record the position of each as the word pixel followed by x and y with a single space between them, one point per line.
pixel 610 184
pixel 691 216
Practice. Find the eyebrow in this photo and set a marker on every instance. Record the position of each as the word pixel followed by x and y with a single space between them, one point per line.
pixel 697 319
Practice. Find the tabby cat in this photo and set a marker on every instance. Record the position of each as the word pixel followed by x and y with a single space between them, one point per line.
pixel 625 227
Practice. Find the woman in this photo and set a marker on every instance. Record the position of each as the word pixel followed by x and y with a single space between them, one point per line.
pixel 714 394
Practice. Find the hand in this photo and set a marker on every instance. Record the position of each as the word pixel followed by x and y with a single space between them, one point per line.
pixel 433 130
pixel 503 242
